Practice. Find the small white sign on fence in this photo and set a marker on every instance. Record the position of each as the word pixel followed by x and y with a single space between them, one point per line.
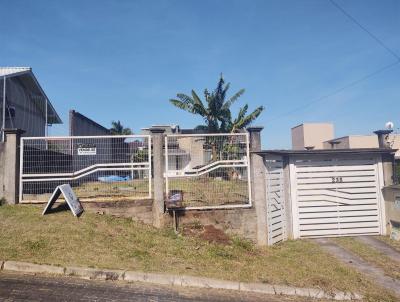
pixel 69 196
pixel 87 151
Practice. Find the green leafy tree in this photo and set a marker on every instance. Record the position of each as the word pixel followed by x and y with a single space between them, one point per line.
pixel 215 109
pixel 243 119
pixel 118 129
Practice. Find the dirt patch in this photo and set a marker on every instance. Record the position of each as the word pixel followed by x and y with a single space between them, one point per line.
pixel 207 232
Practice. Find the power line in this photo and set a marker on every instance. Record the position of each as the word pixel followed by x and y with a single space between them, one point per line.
pixel 324 97
pixel 379 41
pixel 364 78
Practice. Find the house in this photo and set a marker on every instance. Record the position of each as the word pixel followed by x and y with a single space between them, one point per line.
pixel 24 103
pixel 352 141
pixel 80 124
pixel 311 135
pixel 190 150
pixel 317 136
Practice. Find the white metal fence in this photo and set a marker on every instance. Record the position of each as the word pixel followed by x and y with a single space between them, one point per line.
pixel 114 167
pixel 208 170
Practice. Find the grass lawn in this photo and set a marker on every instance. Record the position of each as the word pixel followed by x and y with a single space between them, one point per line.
pixel 96 190
pixel 207 191
pixel 197 191
pixel 108 242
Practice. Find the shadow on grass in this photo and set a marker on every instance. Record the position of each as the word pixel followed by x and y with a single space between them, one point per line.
pixel 62 207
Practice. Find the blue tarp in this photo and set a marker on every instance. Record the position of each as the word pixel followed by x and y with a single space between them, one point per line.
pixel 114 178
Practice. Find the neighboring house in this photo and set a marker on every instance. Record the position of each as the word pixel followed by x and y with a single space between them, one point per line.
pixel 311 135
pixel 317 136
pixel 352 142
pixel 192 150
pixel 180 157
pixel 26 104
pixel 80 125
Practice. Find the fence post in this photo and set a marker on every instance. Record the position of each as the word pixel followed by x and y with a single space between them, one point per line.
pixel 157 137
pixel 257 176
pixel 9 165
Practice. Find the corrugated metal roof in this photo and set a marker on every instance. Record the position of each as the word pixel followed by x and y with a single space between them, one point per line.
pixel 5 71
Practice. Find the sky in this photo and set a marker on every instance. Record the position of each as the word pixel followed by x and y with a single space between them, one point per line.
pixel 123 60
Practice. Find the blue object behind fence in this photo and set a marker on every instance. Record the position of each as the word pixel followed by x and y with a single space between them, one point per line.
pixel 114 178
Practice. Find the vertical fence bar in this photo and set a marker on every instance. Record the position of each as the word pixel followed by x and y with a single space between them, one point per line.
pixel 21 169
pixel 248 167
pixel 150 166
pixel 3 123
pixel 166 146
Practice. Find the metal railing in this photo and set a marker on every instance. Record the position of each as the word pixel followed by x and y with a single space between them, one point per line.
pixel 116 167
pixel 208 171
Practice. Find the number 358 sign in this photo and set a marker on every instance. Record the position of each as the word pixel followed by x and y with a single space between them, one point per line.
pixel 337 179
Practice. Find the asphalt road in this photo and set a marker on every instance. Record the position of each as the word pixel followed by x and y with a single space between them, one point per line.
pixel 27 287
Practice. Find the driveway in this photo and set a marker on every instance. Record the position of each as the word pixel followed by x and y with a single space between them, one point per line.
pixel 372 271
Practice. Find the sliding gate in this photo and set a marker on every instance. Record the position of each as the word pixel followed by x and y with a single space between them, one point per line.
pixel 100 168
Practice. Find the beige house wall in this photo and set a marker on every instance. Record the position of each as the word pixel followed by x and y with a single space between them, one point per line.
pixel 298 137
pixel 311 135
pixel 339 143
pixel 363 141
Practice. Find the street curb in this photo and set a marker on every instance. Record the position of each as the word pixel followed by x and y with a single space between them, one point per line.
pixel 175 280
pixel 93 273
pixel 27 267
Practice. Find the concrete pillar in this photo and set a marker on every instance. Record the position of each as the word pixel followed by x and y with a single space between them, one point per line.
pixel 383 138
pixel 257 173
pixel 10 163
pixel 287 198
pixel 388 169
pixel 157 137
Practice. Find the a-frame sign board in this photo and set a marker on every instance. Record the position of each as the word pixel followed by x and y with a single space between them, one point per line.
pixel 69 196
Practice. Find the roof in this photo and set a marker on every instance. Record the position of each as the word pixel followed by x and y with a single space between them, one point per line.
pixel 328 151
pixel 30 82
pixel 90 121
pixel 5 71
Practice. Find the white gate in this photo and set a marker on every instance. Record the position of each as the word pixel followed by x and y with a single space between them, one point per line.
pixel 208 171
pixel 276 216
pixel 115 167
pixel 338 196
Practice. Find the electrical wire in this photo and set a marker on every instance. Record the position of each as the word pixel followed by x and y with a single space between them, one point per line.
pixel 364 78
pixel 324 97
pixel 379 41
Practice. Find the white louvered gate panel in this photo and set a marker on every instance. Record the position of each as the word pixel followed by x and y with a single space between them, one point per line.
pixel 336 197
pixel 275 200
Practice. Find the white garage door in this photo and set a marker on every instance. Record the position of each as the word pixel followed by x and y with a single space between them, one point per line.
pixel 336 197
